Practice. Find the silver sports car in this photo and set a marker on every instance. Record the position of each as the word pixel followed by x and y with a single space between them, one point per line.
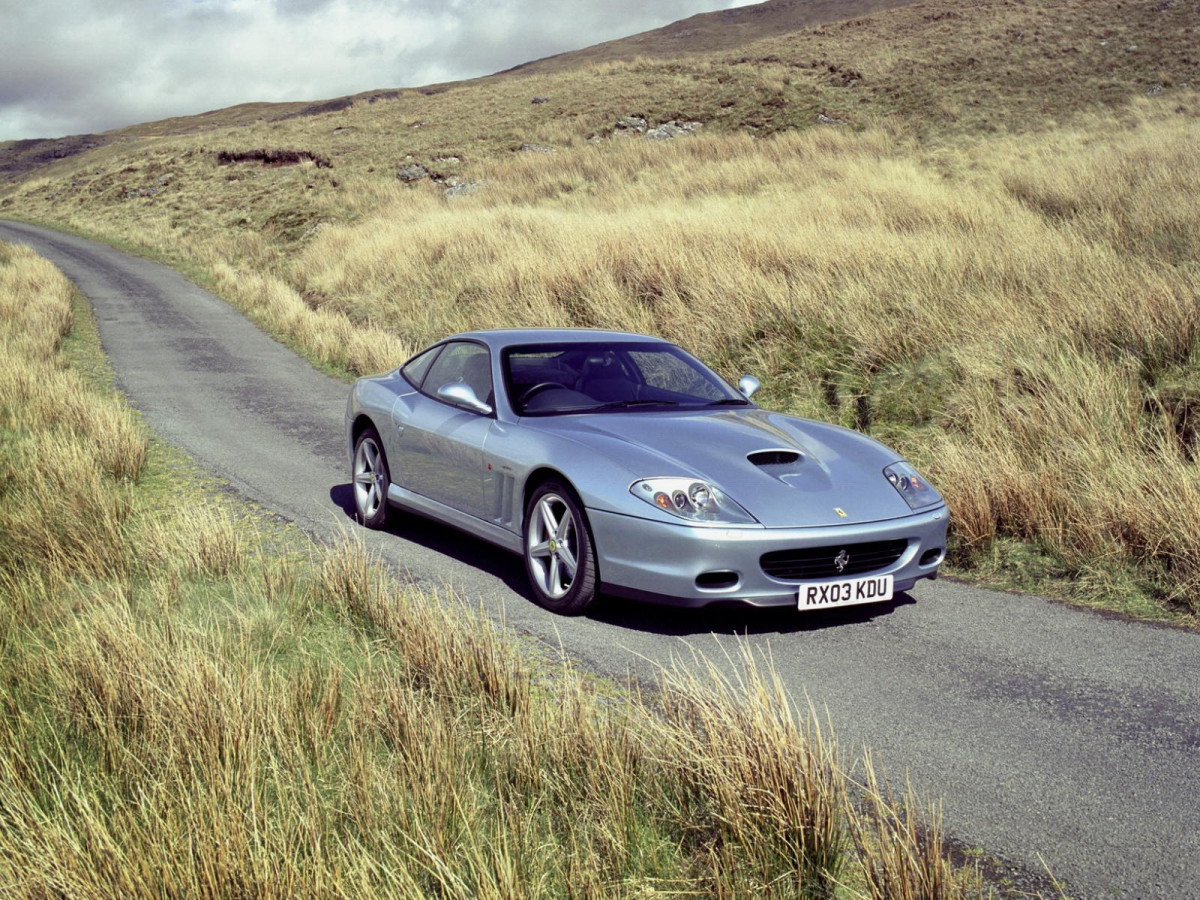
pixel 620 462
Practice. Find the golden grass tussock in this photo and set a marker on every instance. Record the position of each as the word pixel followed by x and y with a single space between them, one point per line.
pixel 767 774
pixel 194 541
pixel 900 841
pixel 323 335
pixel 36 300
pixel 197 707
pixel 67 456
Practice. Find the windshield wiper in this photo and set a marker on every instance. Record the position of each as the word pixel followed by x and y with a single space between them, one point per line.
pixel 730 401
pixel 626 404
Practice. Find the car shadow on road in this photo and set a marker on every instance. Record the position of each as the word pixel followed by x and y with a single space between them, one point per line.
pixel 451 542
pixel 635 615
pixel 734 618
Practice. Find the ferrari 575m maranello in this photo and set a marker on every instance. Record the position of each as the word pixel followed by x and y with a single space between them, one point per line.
pixel 621 463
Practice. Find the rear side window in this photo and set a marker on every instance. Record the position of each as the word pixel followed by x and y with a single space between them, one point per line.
pixel 416 368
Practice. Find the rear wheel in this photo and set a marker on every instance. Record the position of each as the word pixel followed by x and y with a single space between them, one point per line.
pixel 559 556
pixel 371 480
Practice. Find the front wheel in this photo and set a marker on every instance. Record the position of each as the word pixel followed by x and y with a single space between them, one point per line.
pixel 559 557
pixel 371 480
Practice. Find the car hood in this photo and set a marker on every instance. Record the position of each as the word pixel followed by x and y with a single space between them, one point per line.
pixel 837 469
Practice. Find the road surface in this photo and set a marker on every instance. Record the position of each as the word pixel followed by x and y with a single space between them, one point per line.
pixel 1047 731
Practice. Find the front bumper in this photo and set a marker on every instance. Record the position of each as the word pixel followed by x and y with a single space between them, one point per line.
pixel 660 561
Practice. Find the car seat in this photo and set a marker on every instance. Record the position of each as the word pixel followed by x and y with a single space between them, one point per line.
pixel 603 380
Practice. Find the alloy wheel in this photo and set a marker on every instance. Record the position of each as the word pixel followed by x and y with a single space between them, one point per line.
pixel 552 546
pixel 368 479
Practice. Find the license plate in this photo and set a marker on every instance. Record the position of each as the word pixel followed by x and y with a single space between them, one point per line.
pixel 850 592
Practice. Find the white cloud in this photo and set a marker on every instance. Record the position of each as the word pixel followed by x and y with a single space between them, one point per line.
pixel 73 66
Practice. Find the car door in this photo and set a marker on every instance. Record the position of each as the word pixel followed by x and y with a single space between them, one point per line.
pixel 441 445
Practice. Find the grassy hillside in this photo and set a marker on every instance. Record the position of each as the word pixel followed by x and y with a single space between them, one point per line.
pixel 196 703
pixel 725 30
pixel 991 262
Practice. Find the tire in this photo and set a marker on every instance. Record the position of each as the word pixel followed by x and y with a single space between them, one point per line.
pixel 370 480
pixel 557 536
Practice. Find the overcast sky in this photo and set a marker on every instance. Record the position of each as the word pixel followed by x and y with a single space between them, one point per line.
pixel 73 66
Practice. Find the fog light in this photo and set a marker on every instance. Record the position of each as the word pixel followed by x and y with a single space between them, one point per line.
pixel 929 557
pixel 717 581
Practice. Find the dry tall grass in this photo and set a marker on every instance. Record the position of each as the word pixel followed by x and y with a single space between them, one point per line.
pixel 189 707
pixel 67 455
pixel 1018 314
pixel 1023 322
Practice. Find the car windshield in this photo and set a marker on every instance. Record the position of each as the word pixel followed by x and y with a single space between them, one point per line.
pixel 555 379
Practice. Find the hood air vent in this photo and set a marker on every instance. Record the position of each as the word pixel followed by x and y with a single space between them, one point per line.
pixel 773 457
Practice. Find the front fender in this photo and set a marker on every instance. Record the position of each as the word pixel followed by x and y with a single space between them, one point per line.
pixel 602 484
pixel 374 398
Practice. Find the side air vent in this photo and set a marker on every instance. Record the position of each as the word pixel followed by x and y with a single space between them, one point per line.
pixel 773 457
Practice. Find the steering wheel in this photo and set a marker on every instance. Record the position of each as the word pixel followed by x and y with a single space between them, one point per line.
pixel 538 388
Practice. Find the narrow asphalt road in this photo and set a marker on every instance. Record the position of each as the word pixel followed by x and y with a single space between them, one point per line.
pixel 1045 730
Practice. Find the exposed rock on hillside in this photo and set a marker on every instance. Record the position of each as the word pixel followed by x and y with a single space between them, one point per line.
pixel 668 131
pixel 462 188
pixel 414 172
pixel 629 126
pixel 315 230
pixel 149 190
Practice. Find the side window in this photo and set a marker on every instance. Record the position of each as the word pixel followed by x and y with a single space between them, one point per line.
pixel 464 362
pixel 414 370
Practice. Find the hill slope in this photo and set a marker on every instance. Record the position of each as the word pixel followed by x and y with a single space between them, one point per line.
pixel 707 32
pixel 936 66
pixel 703 33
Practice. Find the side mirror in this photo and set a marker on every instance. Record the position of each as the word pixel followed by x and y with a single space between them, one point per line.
pixel 748 384
pixel 463 396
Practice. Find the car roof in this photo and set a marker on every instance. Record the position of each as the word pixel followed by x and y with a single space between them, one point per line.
pixel 501 338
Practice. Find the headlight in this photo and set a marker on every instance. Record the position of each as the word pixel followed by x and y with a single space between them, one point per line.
pixel 693 500
pixel 916 491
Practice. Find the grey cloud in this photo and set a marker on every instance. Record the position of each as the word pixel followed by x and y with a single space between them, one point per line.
pixel 302 7
pixel 72 66
pixel 490 36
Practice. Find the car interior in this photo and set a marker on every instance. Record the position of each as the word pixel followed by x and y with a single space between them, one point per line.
pixel 570 378
pixel 477 374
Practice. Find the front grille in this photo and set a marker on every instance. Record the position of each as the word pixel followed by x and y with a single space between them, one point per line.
pixel 813 563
